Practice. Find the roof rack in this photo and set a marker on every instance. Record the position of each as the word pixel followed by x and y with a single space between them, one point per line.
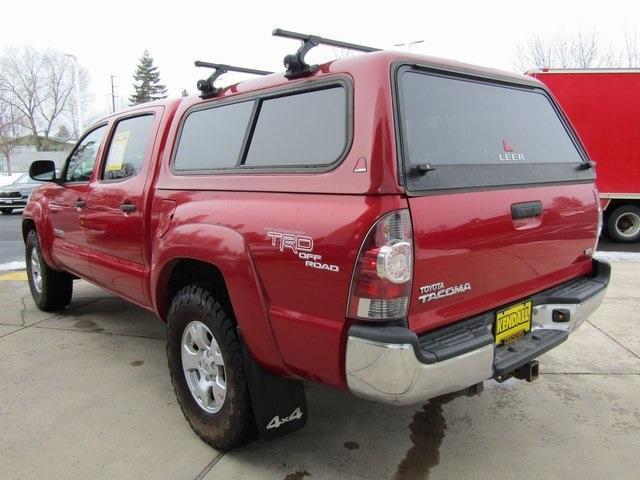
pixel 207 87
pixel 295 64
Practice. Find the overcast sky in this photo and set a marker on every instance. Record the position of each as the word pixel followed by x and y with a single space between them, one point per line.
pixel 109 37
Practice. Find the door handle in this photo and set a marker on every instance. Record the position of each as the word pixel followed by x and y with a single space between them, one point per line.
pixel 80 203
pixel 526 210
pixel 128 207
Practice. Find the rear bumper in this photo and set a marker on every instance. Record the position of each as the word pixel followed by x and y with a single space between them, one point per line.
pixel 393 365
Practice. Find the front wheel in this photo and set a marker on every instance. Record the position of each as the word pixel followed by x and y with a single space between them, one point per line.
pixel 207 371
pixel 623 224
pixel 6 211
pixel 51 290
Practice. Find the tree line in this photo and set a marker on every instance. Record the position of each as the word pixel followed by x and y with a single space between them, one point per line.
pixel 39 95
pixel 36 95
pixel 581 49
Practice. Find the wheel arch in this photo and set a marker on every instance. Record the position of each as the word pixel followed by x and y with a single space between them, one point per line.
pixel 181 272
pixel 33 219
pixel 28 224
pixel 219 256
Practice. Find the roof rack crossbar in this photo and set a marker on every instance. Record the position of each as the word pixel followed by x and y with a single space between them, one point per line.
pixel 295 64
pixel 207 87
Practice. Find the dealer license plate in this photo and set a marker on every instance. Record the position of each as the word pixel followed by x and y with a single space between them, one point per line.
pixel 513 322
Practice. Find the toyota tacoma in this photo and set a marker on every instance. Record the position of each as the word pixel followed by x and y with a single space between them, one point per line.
pixel 393 225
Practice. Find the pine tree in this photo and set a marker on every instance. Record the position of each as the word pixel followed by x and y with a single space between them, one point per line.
pixel 147 82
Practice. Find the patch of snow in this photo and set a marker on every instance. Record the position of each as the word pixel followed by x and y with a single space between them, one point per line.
pixel 13 266
pixel 618 256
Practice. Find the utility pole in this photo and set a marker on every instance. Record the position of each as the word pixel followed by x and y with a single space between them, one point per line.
pixel 113 94
pixel 76 80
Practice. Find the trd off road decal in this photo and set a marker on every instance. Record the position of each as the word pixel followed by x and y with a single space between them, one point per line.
pixel 438 290
pixel 302 247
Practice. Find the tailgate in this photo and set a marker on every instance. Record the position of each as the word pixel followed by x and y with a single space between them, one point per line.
pixel 501 194
pixel 472 256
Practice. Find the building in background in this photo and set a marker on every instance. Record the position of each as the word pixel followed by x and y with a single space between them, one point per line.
pixel 25 152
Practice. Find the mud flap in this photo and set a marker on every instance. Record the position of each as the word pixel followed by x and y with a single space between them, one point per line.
pixel 279 404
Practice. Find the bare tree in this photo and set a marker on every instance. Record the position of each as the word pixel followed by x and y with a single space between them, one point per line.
pixel 563 51
pixel 631 57
pixel 588 51
pixel 339 52
pixel 536 52
pixel 37 85
pixel 580 50
pixel 20 82
pixel 10 128
pixel 58 86
pixel 584 50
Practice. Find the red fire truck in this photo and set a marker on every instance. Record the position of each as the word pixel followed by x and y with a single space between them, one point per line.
pixel 604 107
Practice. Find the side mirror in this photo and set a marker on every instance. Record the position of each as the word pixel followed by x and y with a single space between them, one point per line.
pixel 43 171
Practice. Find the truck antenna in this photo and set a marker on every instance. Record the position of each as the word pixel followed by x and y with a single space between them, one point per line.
pixel 207 87
pixel 295 64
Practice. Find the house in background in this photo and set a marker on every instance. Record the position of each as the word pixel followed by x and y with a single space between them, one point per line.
pixel 25 152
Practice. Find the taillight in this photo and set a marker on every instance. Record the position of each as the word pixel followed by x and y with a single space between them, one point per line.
pixel 381 282
pixel 600 223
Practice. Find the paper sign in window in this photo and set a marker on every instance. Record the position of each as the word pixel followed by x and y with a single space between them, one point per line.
pixel 117 151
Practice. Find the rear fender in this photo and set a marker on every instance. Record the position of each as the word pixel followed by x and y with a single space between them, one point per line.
pixel 226 249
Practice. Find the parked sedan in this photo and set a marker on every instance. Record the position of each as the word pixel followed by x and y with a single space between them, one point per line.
pixel 15 194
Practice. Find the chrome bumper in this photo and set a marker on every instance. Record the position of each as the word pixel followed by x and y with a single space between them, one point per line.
pixel 579 313
pixel 391 372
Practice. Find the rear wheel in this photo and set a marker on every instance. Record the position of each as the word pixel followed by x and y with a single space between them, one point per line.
pixel 623 224
pixel 207 371
pixel 51 290
pixel 6 211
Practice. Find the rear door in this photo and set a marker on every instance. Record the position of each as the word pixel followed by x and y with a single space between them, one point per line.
pixel 115 211
pixel 501 197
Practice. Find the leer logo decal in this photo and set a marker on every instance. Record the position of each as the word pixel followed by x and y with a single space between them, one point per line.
pixel 509 155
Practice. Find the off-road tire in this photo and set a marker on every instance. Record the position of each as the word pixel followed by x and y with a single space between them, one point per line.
pixel 613 232
pixel 233 425
pixel 6 211
pixel 57 287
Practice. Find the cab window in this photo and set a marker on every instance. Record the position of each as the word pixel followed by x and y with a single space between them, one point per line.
pixel 82 160
pixel 127 148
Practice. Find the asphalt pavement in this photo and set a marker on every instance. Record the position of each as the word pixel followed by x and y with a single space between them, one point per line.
pixel 11 245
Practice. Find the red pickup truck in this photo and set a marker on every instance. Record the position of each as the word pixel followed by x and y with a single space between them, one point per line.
pixel 602 104
pixel 394 225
